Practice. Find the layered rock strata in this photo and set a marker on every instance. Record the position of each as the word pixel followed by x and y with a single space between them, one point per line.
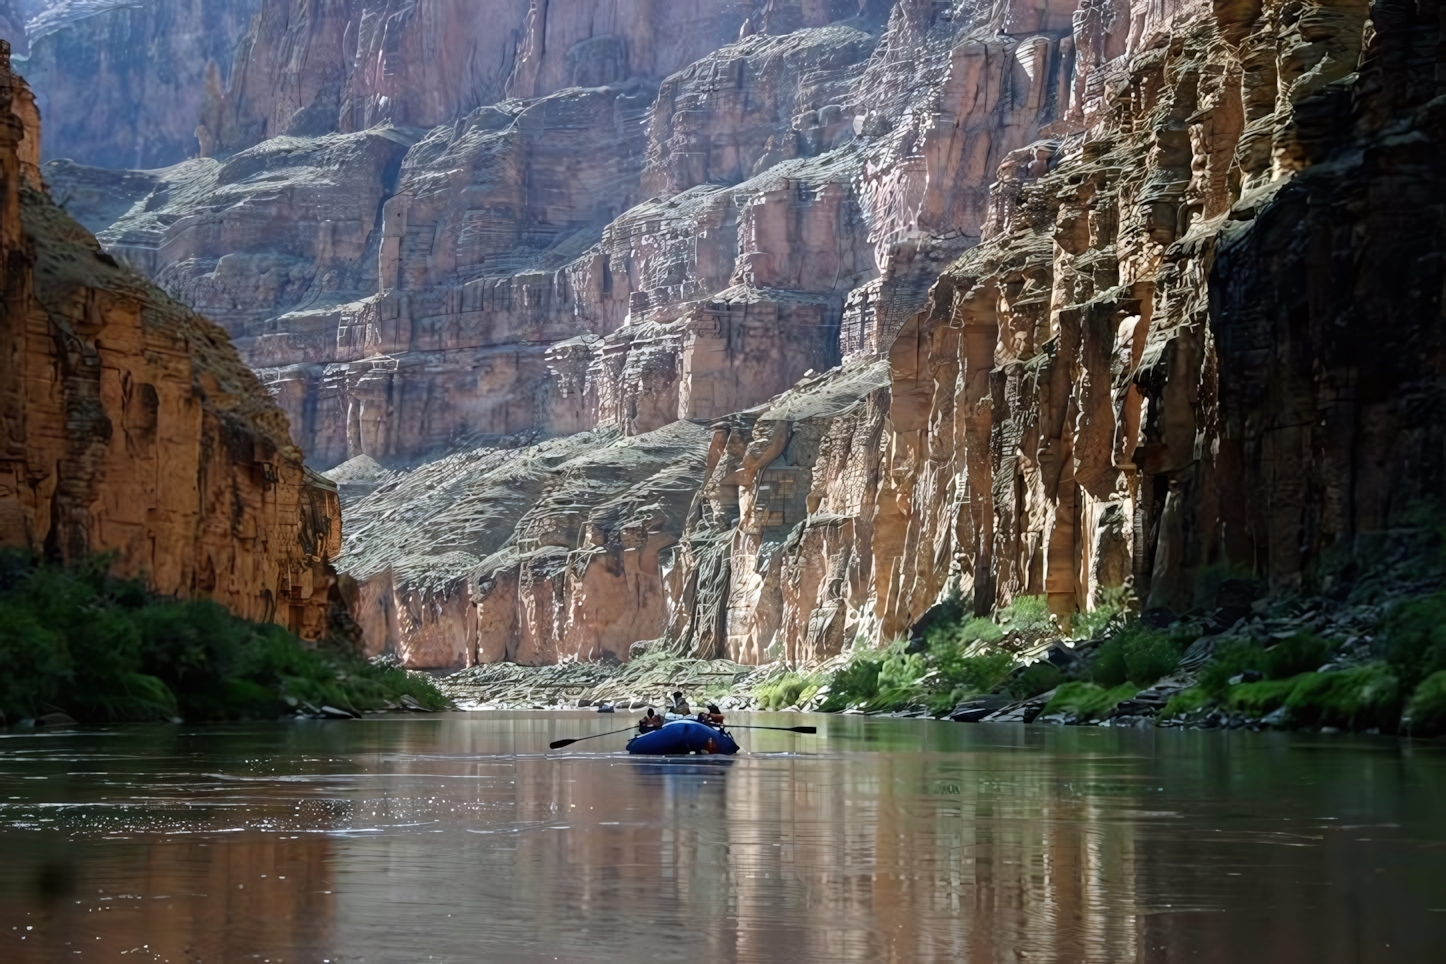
pixel 126 84
pixel 131 426
pixel 530 555
pixel 1100 293
pixel 1196 338
pixel 406 290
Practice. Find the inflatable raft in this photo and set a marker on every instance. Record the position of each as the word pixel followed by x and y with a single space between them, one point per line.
pixel 683 736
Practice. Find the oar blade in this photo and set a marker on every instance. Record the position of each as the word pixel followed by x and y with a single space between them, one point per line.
pixel 559 744
pixel 804 729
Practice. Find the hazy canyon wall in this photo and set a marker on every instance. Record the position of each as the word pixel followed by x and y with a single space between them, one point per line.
pixel 129 424
pixel 757 327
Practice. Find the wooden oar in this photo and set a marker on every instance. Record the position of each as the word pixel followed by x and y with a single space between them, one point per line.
pixel 559 744
pixel 783 729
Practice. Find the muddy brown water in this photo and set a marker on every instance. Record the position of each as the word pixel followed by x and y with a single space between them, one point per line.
pixel 462 838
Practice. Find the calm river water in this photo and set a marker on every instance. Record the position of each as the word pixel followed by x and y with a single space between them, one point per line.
pixel 462 838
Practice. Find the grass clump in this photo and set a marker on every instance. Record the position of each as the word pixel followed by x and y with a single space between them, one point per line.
pixel 1416 639
pixel 1260 697
pixel 104 650
pixel 1301 653
pixel 1087 701
pixel 1426 713
pixel 1186 703
pixel 1369 696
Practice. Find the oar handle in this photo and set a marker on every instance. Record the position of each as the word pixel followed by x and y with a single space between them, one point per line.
pixel 559 744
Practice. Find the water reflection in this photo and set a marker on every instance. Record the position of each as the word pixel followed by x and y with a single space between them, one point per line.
pixel 464 839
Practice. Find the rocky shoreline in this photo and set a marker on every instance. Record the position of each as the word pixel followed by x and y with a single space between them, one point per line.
pixel 1347 673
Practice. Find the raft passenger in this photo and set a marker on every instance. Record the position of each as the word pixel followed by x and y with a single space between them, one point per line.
pixel 680 705
pixel 650 722
pixel 714 716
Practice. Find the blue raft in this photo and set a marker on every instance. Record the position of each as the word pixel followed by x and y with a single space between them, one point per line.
pixel 683 736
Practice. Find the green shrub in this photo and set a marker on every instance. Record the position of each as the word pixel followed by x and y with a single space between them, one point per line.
pixel 1136 654
pixel 1095 622
pixel 856 683
pixel 1149 655
pixel 1230 659
pixel 1426 713
pixel 1036 678
pixel 978 674
pixel 788 690
pixel 1029 615
pixel 1301 653
pixel 1107 666
pixel 1369 696
pixel 104 650
pixel 941 636
pixel 1086 701
pixel 980 629
pixel 954 678
pixel 1416 639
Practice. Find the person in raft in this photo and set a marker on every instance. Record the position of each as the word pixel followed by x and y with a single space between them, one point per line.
pixel 650 722
pixel 680 705
pixel 714 716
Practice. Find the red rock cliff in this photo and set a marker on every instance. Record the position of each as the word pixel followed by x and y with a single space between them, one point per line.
pixel 129 424
pixel 1102 293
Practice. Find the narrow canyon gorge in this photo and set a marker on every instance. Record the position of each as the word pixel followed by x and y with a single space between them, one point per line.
pixel 734 328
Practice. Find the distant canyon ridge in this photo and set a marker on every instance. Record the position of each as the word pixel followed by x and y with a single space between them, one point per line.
pixel 756 328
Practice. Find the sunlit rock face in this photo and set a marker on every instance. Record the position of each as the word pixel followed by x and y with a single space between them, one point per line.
pixel 1009 298
pixel 130 425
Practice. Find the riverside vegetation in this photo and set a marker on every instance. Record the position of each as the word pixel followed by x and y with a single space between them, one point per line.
pixel 1346 651
pixel 77 643
pixel 80 643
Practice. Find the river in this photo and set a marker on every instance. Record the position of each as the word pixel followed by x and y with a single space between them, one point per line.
pixel 461 837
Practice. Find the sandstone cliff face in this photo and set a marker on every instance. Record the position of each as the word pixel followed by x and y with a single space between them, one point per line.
pixel 1104 294
pixel 346 65
pixel 1200 332
pixel 125 84
pixel 130 424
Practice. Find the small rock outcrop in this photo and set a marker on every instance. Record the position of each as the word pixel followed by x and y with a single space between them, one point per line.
pixel 129 424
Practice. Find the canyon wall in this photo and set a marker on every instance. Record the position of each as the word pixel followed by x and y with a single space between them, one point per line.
pixel 762 343
pixel 125 84
pixel 130 424
pixel 1201 335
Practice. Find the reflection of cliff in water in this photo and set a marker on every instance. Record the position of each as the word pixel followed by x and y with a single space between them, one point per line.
pixel 876 857
pixel 460 839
